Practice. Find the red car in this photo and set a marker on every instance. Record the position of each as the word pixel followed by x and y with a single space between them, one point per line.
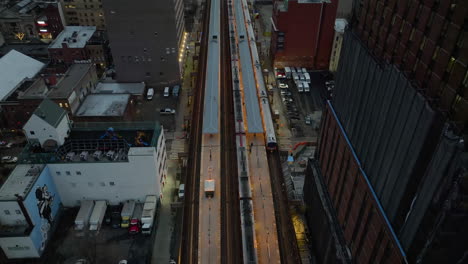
pixel 135 227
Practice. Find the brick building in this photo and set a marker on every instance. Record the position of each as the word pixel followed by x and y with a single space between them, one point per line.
pixel 77 43
pixel 302 33
pixel 84 13
pixel 392 154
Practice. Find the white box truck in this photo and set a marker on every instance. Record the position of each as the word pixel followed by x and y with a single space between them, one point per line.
pixel 98 215
pixel 209 188
pixel 306 87
pixel 82 218
pixel 307 77
pixel 147 217
pixel 127 212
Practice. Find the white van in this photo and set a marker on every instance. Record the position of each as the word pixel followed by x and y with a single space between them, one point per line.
pixel 306 87
pixel 300 87
pixel 295 76
pixel 181 191
pixel 307 77
pixel 150 93
pixel 166 91
pixel 287 72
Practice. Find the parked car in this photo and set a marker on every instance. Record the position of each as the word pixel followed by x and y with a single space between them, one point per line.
pixel 283 86
pixel 167 111
pixel 181 191
pixel 135 227
pixel 9 159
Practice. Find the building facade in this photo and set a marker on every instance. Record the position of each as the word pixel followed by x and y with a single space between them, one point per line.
pixel 425 39
pixel 84 13
pixel 77 43
pixel 146 53
pixel 27 21
pixel 302 33
pixel 392 153
pixel 30 205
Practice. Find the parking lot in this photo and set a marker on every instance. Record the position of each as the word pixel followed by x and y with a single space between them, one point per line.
pixel 107 246
pixel 300 108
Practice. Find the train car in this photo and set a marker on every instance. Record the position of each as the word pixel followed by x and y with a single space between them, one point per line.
pixel 270 136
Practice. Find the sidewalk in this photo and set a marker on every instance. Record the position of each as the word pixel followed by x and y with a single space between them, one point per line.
pixel 175 144
pixel 165 225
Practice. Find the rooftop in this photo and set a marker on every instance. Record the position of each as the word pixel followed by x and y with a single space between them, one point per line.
pixel 15 67
pixel 34 50
pixel 104 105
pixel 38 89
pixel 120 88
pixel 20 181
pixel 89 137
pixel 65 86
pixel 73 36
pixel 50 112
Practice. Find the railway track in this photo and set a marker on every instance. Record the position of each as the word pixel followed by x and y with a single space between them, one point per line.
pixel 286 234
pixel 188 244
pixel 231 240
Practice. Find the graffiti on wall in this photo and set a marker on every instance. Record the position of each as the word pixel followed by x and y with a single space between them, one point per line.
pixel 44 206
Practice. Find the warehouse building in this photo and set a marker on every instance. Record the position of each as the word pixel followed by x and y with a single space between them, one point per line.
pixel 87 161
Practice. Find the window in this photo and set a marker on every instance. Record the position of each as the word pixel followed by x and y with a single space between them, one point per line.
pixel 111 183
pixel 7 212
pixel 148 74
pixel 58 173
pixel 68 173
pixel 78 172
pixel 73 185
pixel 161 73
pixel 90 184
pixel 18 212
pixel 60 104
pixel 32 132
pixel 102 184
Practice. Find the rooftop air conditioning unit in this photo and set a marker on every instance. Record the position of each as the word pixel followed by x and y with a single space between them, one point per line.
pixel 97 155
pixel 70 156
pixel 84 155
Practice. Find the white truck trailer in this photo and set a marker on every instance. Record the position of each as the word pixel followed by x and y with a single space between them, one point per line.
pixel 82 218
pixel 127 213
pixel 147 218
pixel 209 188
pixel 98 215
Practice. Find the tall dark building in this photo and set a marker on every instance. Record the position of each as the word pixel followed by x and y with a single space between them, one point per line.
pixel 146 39
pixel 393 159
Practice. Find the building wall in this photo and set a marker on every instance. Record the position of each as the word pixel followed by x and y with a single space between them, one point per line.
pixel 84 13
pixel 10 213
pixel 36 128
pixel 42 204
pixel 308 34
pixel 18 247
pixel 38 199
pixel 144 53
pixel 428 41
pixel 111 181
pixel 68 55
pixel 366 229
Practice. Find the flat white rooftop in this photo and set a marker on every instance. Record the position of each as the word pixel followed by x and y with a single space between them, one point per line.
pixel 20 181
pixel 120 88
pixel 73 36
pixel 14 68
pixel 104 105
